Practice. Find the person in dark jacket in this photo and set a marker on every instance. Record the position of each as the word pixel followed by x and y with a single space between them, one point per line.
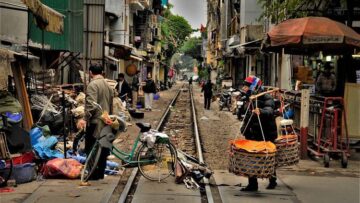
pixel 252 129
pixel 98 92
pixel 149 91
pixel 123 87
pixel 207 89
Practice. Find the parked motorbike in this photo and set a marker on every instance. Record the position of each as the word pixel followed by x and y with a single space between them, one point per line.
pixel 162 86
pixel 225 99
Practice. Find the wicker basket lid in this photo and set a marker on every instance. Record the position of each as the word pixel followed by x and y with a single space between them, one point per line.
pixel 254 146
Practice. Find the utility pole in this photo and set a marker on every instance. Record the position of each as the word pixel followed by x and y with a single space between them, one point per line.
pixel 304 122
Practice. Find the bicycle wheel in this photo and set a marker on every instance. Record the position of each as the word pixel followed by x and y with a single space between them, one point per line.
pixel 91 162
pixel 157 163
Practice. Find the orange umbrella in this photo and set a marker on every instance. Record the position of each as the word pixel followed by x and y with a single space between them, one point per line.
pixel 311 34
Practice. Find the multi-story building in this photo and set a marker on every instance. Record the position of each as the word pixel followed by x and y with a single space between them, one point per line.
pixel 132 36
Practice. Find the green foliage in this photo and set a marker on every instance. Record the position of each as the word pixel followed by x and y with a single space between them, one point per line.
pixel 279 10
pixel 203 73
pixel 174 29
pixel 192 47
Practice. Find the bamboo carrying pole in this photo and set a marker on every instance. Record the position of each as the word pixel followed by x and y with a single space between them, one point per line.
pixel 263 93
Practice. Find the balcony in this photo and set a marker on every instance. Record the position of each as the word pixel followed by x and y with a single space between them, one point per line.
pixel 139 4
pixel 136 5
pixel 145 3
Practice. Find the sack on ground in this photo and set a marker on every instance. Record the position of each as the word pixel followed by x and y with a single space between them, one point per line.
pixel 58 168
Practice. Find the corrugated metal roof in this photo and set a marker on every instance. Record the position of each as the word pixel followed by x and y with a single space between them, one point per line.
pixel 72 38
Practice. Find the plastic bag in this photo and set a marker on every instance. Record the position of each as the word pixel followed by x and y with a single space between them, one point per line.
pixel 156 96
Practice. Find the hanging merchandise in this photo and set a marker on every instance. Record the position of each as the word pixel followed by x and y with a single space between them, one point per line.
pixel 131 70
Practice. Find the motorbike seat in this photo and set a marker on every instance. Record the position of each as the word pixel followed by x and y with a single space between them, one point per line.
pixel 144 127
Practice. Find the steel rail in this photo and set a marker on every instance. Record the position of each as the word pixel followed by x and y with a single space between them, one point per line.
pixel 134 172
pixel 198 146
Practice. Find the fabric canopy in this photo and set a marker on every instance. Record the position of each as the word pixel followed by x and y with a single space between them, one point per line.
pixel 311 34
pixel 51 20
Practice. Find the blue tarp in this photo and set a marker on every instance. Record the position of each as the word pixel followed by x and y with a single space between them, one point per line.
pixel 45 148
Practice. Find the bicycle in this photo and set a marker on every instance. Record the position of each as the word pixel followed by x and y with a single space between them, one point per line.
pixel 155 162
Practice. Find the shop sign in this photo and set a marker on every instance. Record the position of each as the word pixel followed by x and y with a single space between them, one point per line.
pixel 322 39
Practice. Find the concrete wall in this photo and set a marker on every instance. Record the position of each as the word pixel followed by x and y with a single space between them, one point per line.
pixel 13 23
pixel 119 28
pixel 250 11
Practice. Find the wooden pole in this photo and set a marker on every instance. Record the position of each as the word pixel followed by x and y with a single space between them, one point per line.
pixel 304 122
pixel 22 94
pixel 252 97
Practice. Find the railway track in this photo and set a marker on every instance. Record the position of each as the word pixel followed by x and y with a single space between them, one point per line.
pixel 180 123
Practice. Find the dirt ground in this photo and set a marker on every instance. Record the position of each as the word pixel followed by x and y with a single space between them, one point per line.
pixel 126 140
pixel 216 128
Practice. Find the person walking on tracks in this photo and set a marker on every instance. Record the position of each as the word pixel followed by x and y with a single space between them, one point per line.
pixel 207 89
pixel 265 110
pixel 98 92
pixel 149 91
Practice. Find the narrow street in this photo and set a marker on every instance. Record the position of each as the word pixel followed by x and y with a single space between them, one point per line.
pixel 199 101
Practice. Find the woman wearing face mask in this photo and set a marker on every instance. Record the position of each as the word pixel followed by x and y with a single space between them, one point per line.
pixel 265 110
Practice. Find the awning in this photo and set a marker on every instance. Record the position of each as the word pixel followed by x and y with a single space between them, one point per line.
pixel 112 59
pixel 249 45
pixel 46 18
pixel 117 45
pixel 9 54
pixel 136 57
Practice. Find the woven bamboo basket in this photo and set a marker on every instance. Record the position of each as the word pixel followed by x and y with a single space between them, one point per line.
pixel 287 154
pixel 243 163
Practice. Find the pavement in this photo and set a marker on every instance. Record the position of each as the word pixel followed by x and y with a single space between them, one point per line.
pixel 62 191
pixel 166 191
pixel 291 188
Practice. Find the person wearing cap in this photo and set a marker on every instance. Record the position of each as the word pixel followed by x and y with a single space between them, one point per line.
pixel 252 129
pixel 123 87
pixel 97 92
pixel 326 82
